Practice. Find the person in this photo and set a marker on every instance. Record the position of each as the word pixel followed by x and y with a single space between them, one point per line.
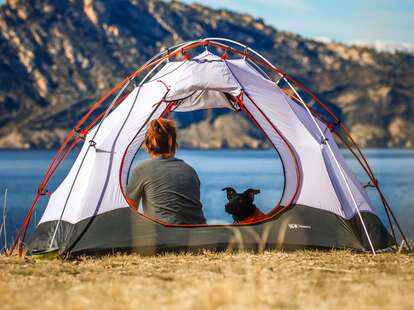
pixel 168 187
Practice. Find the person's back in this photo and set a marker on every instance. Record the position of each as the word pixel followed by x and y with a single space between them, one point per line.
pixel 169 188
pixel 170 191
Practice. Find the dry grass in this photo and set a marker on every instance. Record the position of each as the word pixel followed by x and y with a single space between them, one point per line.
pixel 304 279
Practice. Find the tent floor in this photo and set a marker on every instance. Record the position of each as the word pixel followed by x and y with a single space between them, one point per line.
pixel 123 230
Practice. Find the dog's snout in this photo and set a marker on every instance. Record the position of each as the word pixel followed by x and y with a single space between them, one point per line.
pixel 229 208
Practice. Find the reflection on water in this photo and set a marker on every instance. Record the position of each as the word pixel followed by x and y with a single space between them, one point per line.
pixel 21 172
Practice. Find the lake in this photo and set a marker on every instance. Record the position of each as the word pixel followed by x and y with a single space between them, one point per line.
pixel 21 172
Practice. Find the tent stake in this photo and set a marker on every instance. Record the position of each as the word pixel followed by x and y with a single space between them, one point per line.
pixel 396 222
pixel 401 247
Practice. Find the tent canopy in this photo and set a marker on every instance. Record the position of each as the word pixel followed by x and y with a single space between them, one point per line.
pixel 312 178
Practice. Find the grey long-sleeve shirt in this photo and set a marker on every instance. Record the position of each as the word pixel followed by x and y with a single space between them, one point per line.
pixel 169 189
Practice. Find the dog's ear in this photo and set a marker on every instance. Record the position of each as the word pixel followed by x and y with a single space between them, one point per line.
pixel 230 192
pixel 251 192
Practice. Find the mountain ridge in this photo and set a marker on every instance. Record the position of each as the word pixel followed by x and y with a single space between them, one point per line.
pixel 60 56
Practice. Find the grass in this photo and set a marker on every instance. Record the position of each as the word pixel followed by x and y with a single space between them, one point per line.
pixel 293 280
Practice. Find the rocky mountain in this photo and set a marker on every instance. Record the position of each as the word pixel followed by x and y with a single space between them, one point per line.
pixel 58 56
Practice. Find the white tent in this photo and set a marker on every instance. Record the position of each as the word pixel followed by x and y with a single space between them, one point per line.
pixel 316 175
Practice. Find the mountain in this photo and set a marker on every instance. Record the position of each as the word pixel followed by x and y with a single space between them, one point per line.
pixel 58 56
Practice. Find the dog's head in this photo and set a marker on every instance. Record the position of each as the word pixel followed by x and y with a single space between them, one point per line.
pixel 240 205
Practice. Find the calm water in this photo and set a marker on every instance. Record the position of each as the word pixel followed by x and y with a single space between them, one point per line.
pixel 21 171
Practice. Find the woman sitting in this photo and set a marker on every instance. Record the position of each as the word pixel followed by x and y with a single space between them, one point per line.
pixel 169 188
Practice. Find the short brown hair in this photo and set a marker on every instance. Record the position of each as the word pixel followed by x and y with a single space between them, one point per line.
pixel 161 137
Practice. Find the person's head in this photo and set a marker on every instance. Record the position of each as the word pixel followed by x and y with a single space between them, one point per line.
pixel 161 138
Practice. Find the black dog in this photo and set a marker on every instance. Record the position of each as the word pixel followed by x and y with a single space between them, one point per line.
pixel 241 206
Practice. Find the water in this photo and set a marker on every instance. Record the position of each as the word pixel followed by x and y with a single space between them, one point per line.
pixel 21 172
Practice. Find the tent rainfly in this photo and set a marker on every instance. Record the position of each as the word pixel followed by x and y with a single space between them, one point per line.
pixel 323 205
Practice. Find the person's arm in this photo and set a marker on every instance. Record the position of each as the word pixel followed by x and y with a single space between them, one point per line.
pixel 135 188
pixel 198 183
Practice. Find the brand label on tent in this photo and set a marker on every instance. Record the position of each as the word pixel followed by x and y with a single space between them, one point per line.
pixel 299 226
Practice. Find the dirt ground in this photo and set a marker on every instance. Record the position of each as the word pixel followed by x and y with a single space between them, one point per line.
pixel 294 280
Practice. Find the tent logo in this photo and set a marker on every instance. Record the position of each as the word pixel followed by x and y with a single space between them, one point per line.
pixel 298 226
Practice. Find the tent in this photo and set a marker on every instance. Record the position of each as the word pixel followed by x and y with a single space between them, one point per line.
pixel 323 204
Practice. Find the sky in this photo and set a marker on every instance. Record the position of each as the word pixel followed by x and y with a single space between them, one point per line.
pixel 348 21
pixel 376 22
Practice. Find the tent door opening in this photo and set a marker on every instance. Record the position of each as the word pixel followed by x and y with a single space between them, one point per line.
pixel 268 164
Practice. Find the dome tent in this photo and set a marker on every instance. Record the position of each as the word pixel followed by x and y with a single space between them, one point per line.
pixel 323 205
